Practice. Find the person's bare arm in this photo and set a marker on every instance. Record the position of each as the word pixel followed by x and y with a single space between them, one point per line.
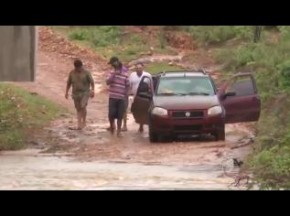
pixel 130 83
pixel 110 78
pixel 127 84
pixel 92 84
pixel 68 85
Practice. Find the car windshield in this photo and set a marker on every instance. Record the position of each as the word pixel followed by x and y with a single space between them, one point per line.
pixel 185 86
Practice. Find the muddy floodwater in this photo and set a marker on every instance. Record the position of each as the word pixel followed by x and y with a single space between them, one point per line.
pixel 29 170
pixel 32 170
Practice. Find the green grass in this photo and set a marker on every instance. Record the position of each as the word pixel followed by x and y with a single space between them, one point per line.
pixel 269 62
pixel 21 114
pixel 111 40
pixel 207 35
pixel 270 161
pixel 154 68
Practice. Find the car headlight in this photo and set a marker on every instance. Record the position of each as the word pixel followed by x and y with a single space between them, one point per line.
pixel 216 110
pixel 159 111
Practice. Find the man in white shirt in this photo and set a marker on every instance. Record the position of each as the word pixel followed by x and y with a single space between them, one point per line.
pixel 134 79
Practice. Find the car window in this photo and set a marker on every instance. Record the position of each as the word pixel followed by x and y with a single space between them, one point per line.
pixel 242 86
pixel 185 86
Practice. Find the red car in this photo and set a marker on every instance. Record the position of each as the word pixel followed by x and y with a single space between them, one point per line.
pixel 175 103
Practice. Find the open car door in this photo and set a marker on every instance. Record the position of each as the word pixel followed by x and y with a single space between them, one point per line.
pixel 240 99
pixel 155 80
pixel 142 100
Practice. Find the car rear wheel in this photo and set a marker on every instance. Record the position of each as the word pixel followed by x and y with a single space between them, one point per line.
pixel 220 134
pixel 153 137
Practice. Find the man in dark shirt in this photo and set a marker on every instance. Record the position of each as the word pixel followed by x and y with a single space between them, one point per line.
pixel 81 80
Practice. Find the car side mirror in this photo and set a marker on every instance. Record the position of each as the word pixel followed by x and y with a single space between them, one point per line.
pixel 229 94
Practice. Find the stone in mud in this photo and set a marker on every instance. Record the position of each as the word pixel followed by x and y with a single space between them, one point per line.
pixel 33 142
pixel 219 154
pixel 64 115
pixel 71 135
pixel 89 129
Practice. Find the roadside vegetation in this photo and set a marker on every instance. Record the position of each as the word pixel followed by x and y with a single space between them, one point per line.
pixel 159 67
pixel 22 114
pixel 117 40
pixel 269 61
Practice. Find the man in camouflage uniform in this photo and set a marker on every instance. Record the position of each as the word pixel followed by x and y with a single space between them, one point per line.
pixel 81 80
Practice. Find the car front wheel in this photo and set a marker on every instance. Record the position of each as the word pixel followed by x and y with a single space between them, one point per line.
pixel 220 134
pixel 153 137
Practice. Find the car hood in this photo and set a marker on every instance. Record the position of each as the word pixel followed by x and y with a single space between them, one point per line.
pixel 185 102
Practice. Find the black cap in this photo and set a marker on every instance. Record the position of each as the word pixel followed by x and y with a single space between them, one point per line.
pixel 78 63
pixel 113 59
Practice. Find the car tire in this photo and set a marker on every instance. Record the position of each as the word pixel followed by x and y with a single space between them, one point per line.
pixel 153 137
pixel 174 137
pixel 220 134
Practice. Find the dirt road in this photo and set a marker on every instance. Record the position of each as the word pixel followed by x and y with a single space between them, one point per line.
pixel 97 160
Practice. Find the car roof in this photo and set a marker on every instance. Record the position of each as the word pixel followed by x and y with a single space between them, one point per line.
pixel 184 74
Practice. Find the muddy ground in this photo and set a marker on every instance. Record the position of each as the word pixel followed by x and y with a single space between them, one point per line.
pixel 61 158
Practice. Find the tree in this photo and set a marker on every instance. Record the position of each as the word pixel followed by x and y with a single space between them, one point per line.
pixel 257 33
